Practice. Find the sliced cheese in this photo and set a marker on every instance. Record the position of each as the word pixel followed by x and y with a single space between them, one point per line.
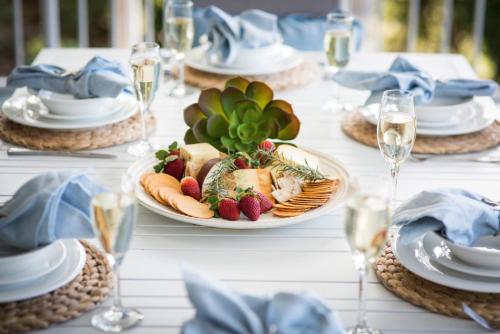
pixel 298 156
pixel 259 179
pixel 195 156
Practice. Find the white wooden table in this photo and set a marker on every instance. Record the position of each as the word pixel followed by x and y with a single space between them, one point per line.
pixel 310 256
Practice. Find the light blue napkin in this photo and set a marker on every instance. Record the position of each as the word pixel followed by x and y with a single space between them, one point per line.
pixel 223 311
pixel 98 78
pixel 461 216
pixel 51 206
pixel 301 31
pixel 228 34
pixel 404 75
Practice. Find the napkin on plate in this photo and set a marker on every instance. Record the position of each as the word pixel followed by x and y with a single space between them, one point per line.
pixel 51 206
pixel 228 34
pixel 461 216
pixel 221 310
pixel 403 74
pixel 98 78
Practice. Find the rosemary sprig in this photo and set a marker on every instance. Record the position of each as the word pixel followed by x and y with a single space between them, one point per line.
pixel 215 186
pixel 279 163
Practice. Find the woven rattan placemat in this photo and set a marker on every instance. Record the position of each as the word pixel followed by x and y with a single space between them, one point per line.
pixel 81 295
pixel 356 127
pixel 291 78
pixel 431 296
pixel 42 139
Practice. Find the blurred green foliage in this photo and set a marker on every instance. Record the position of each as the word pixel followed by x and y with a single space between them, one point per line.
pixel 394 29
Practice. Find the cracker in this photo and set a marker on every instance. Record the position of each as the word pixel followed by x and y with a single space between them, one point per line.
pixel 280 213
pixel 191 207
pixel 143 177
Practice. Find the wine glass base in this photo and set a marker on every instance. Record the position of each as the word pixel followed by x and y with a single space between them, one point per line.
pixel 181 91
pixel 363 330
pixel 141 148
pixel 116 319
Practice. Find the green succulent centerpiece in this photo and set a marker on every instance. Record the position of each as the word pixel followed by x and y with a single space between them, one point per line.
pixel 239 117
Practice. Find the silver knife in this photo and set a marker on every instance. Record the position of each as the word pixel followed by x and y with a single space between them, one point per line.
pixel 26 151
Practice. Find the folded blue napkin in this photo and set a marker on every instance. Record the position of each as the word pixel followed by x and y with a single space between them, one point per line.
pixel 461 216
pixel 98 78
pixel 51 206
pixel 301 31
pixel 223 311
pixel 228 34
pixel 404 75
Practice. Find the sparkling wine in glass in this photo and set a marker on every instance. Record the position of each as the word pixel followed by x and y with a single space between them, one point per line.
pixel 366 224
pixel 178 37
pixel 396 131
pixel 145 62
pixel 114 215
pixel 337 45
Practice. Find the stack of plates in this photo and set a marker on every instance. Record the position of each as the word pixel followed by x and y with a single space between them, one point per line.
pixel 447 116
pixel 267 60
pixel 48 110
pixel 27 274
pixel 475 268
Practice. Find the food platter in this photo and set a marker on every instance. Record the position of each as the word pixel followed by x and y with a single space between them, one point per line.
pixel 329 166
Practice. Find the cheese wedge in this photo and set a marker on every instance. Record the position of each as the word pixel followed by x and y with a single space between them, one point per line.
pixel 259 179
pixel 298 156
pixel 195 156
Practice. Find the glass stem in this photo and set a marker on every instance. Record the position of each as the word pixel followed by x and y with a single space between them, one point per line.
pixel 181 72
pixel 362 270
pixel 143 110
pixel 117 296
pixel 394 176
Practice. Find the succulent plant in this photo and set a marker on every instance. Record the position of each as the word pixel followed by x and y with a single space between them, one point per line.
pixel 240 117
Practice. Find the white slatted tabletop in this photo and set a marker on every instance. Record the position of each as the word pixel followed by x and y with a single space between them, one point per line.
pixel 310 256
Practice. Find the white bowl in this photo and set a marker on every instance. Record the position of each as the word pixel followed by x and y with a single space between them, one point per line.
pixel 64 104
pixel 441 109
pixel 485 252
pixel 14 261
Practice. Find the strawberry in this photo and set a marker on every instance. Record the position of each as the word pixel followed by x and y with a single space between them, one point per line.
pixel 174 167
pixel 228 209
pixel 190 187
pixel 265 203
pixel 250 206
pixel 241 163
pixel 267 145
pixel 175 152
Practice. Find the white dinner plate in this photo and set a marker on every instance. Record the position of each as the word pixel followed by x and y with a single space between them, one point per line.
pixel 125 106
pixel 67 271
pixel 26 271
pixel 482 113
pixel 439 251
pixel 288 58
pixel 414 258
pixel 328 165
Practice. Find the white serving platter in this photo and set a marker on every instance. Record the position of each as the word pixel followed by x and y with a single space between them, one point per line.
pixel 328 165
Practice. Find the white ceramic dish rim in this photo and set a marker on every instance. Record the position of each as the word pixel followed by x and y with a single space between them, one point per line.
pixel 52 261
pixel 65 273
pixel 444 276
pixel 433 240
pixel 196 60
pixel 126 107
pixel 266 221
pixel 66 98
pixel 484 109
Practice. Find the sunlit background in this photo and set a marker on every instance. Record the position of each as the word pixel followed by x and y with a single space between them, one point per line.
pixel 386 23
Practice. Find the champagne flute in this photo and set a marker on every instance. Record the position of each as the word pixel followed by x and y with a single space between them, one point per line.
pixel 366 224
pixel 337 46
pixel 179 34
pixel 146 66
pixel 114 215
pixel 396 131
